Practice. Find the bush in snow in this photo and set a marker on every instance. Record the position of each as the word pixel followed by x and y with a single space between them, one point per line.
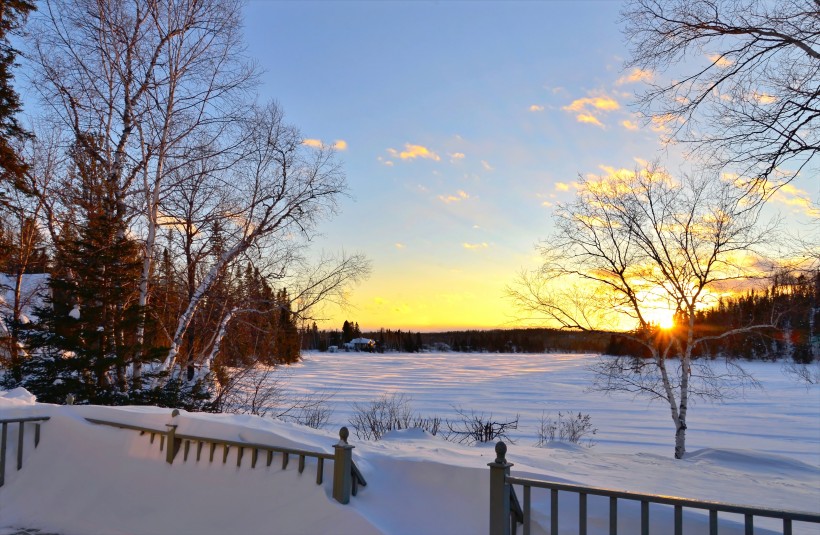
pixel 568 427
pixel 370 421
pixel 476 427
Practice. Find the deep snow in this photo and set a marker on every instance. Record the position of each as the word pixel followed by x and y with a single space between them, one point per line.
pixel 87 479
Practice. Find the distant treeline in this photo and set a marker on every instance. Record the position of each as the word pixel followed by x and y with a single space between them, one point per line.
pixel 531 340
pixel 792 302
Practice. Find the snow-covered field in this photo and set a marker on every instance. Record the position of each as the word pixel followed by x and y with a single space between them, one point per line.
pixel 86 479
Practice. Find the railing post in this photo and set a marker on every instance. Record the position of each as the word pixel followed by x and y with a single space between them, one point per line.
pixel 499 492
pixel 342 468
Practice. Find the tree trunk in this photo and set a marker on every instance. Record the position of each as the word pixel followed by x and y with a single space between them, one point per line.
pixel 680 439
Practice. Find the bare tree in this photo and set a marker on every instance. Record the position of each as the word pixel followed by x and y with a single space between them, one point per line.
pixel 133 82
pixel 743 84
pixel 283 189
pixel 636 243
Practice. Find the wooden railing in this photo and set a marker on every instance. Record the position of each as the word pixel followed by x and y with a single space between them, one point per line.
pixel 21 433
pixel 506 513
pixel 346 476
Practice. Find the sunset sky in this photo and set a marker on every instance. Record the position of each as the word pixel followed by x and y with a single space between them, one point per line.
pixel 460 125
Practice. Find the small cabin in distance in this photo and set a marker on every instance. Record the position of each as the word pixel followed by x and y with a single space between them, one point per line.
pixel 361 344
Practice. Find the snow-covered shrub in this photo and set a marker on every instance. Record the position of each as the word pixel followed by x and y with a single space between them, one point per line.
pixel 568 427
pixel 476 427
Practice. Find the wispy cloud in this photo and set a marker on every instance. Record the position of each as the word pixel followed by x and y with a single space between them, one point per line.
pixel 411 152
pixel 629 125
pixel 459 196
pixel 720 60
pixel 798 199
pixel 634 76
pixel 602 102
pixel 589 119
pixel 562 186
pixel 536 107
pixel 455 156
pixel 487 166
pixel 474 246
pixel 399 245
pixel 340 144
pixel 589 109
pixel 388 163
pixel 315 143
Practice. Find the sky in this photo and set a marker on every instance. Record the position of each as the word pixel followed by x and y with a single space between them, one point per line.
pixel 459 125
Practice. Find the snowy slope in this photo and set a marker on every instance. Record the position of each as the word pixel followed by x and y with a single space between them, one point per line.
pixel 87 479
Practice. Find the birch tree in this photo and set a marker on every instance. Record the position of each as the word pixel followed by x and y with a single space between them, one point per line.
pixel 141 78
pixel 633 244
pixel 282 187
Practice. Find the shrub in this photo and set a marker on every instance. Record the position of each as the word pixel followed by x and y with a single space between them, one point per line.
pixel 568 427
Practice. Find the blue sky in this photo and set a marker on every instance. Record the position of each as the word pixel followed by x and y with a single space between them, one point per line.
pixel 459 124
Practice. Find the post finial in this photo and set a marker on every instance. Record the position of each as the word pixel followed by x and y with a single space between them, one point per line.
pixel 174 412
pixel 343 434
pixel 500 452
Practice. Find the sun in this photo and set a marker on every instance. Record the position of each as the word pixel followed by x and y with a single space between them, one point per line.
pixel 666 322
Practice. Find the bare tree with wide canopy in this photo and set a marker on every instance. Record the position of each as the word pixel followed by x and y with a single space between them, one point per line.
pixel 736 80
pixel 632 244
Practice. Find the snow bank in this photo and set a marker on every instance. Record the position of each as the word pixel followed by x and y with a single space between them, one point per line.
pixel 89 479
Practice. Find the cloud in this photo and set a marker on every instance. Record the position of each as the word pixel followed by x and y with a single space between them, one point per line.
pixel 589 119
pixel 536 107
pixel 315 143
pixel 388 163
pixel 474 246
pixel 634 76
pixel 720 60
pixel 603 103
pixel 588 109
pixel 412 152
pixel 487 166
pixel 546 203
pixel 459 196
pixel 629 125
pixel 763 98
pixel 797 198
pixel 562 186
pixel 340 144
pixel 399 245
pixel 455 156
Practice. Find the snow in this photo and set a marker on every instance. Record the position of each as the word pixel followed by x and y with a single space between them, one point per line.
pixel 89 479
pixel 33 293
pixel 75 312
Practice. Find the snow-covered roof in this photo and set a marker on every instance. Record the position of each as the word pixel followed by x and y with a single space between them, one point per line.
pixel 362 341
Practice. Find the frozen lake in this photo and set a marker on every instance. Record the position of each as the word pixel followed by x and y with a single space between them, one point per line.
pixel 782 418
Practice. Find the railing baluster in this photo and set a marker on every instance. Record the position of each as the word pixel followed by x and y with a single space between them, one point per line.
pixel 20 436
pixel 553 512
pixel 527 498
pixel 644 517
pixel 239 453
pixel 225 449
pixel 713 525
pixel 5 433
pixel 270 457
pixel 613 516
pixel 36 435
pixel 199 445
pixel 185 451
pixel 320 469
pixel 212 450
pixel 787 526
pixel 284 461
pixel 582 513
pixel 750 524
pixel 254 455
pixel 301 463
pixel 678 520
